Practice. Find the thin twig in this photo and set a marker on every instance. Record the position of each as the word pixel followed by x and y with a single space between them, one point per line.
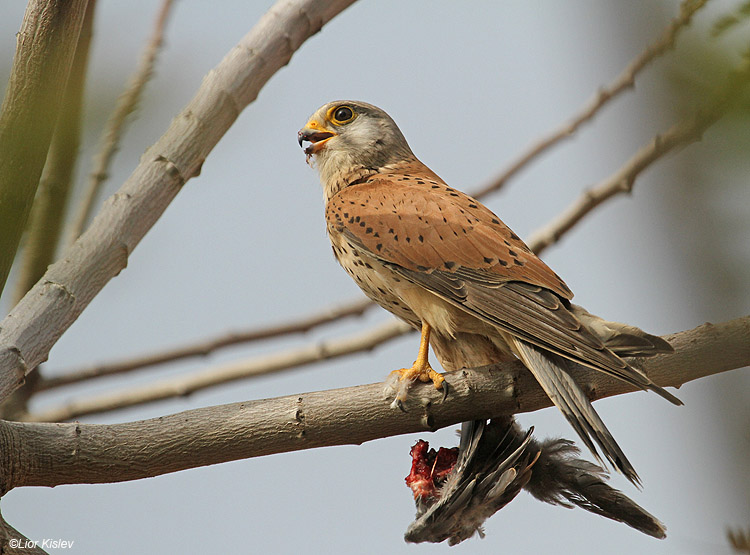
pixel 739 540
pixel 624 81
pixel 678 136
pixel 185 385
pixel 115 126
pixel 205 347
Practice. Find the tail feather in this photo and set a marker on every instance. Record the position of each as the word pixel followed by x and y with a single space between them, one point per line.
pixel 644 345
pixel 561 478
pixel 622 339
pixel 550 370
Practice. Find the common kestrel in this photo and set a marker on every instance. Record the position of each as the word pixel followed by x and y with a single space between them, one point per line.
pixel 443 262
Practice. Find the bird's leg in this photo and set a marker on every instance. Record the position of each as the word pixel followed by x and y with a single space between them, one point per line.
pixel 420 370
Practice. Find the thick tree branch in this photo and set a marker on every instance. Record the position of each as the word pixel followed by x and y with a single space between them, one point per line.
pixel 46 45
pixel 46 219
pixel 13 542
pixel 622 82
pixel 52 305
pixel 49 454
pixel 44 228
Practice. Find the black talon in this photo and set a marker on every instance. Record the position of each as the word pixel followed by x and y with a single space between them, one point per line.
pixel 444 386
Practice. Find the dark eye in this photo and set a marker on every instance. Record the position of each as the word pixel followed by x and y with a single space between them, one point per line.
pixel 343 114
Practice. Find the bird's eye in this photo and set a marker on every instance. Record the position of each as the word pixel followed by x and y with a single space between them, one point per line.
pixel 343 114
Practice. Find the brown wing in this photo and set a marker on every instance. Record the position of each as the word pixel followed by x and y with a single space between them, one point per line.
pixel 423 225
pixel 452 245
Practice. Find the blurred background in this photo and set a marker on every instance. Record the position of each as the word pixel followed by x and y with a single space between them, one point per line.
pixel 471 86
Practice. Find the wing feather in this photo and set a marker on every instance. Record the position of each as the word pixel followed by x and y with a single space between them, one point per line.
pixel 422 224
pixel 551 373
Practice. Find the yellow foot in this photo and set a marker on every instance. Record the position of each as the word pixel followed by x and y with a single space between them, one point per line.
pixel 408 376
pixel 423 373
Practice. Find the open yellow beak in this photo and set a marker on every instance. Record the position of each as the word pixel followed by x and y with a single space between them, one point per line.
pixel 313 133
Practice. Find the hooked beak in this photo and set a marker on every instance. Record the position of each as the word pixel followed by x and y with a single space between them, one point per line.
pixel 315 135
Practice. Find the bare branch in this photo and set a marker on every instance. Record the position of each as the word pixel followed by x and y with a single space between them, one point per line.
pixel 45 454
pixel 678 136
pixel 739 540
pixel 623 82
pixel 46 45
pixel 205 347
pixel 115 126
pixel 185 385
pixel 12 542
pixel 52 305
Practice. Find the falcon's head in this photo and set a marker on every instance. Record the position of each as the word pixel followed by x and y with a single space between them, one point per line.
pixel 346 135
